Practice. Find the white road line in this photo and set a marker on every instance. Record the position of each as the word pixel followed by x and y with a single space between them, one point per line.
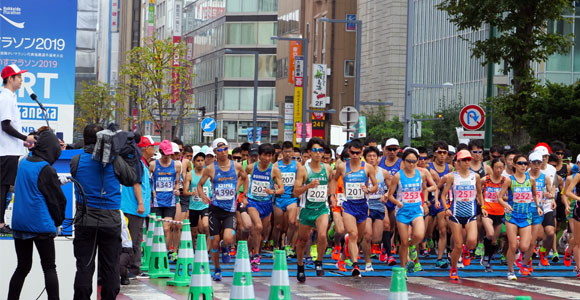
pixel 457 288
pixel 530 287
pixel 140 291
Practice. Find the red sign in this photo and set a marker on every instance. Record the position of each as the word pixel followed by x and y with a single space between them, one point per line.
pixel 299 82
pixel 295 50
pixel 174 74
pixel 472 117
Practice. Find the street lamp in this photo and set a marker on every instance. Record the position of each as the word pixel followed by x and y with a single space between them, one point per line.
pixel 304 42
pixel 255 112
pixel 328 111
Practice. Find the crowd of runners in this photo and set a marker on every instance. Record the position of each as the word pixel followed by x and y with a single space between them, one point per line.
pixel 365 200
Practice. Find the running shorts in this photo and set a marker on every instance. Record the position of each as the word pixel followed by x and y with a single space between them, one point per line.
pixel 219 218
pixel 195 214
pixel 308 216
pixel 263 207
pixel 356 208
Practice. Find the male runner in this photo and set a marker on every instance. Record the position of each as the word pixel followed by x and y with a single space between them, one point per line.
pixel 392 163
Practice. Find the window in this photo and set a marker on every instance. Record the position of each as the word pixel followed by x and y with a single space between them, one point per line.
pixel 268 5
pixel 241 33
pixel 265 31
pixel 245 6
pixel 237 99
pixel 349 68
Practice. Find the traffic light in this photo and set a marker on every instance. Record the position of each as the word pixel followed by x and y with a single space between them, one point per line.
pixel 202 109
pixel 439 116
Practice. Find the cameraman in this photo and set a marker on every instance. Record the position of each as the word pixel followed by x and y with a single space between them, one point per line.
pixel 98 222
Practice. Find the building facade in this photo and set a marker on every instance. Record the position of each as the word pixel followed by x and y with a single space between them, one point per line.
pixel 209 28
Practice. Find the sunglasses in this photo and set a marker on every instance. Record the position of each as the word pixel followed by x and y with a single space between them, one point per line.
pixel 560 153
pixel 317 150
pixel 465 159
pixel 477 151
pixel 411 161
pixel 494 156
pixel 536 162
pixel 522 163
pixel 237 158
pixel 222 149
pixel 423 157
pixel 355 152
pixel 392 149
pixel 441 152
pixel 296 157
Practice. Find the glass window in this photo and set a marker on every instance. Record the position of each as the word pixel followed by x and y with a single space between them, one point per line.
pixel 265 31
pixel 250 6
pixel 267 66
pixel 247 98
pixel 248 33
pixel 560 62
pixel 232 66
pixel 234 33
pixel 234 5
pixel 577 43
pixel 268 5
pixel 265 99
pixel 349 68
pixel 231 99
pixel 247 66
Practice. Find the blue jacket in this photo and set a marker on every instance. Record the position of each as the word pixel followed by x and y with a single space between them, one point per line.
pixel 102 189
pixel 129 201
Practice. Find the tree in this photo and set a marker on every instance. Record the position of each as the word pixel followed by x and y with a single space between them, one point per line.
pixel 522 39
pixel 149 80
pixel 95 104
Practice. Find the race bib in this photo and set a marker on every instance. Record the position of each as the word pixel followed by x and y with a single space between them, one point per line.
pixel 317 194
pixel 340 198
pixel 164 184
pixel 353 190
pixel 465 196
pixel 259 188
pixel 205 192
pixel 411 197
pixel 491 195
pixel 540 196
pixel 377 195
pixel 523 197
pixel 288 178
pixel 225 192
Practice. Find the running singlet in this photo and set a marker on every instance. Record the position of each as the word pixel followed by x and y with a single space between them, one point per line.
pixel 481 170
pixel 195 202
pixel 223 193
pixel 441 174
pixel 164 183
pixel 259 182
pixel 464 192
pixel 409 190
pixel 375 198
pixel 540 188
pixel 353 181
pixel 392 169
pixel 288 178
pixel 316 197
pixel 520 195
pixel 490 192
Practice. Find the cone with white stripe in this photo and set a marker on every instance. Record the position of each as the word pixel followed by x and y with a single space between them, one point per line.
pixel 201 278
pixel 280 284
pixel 146 249
pixel 398 285
pixel 159 263
pixel 184 265
pixel 242 286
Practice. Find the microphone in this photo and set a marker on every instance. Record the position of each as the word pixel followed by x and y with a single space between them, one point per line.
pixel 33 97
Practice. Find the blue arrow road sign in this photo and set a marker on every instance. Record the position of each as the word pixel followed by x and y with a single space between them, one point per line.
pixel 208 125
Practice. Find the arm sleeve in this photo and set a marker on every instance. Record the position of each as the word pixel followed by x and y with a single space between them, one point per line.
pixel 49 186
pixel 7 127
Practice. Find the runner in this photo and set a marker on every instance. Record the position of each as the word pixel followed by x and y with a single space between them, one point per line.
pixel 263 175
pixel 376 201
pixel 356 174
pixel 314 179
pixel 392 163
pixel 545 223
pixel 572 192
pixel 439 168
pixel 285 208
pixel 166 181
pixel 493 211
pixel 477 166
pixel 408 183
pixel 463 210
pixel 226 177
pixel 521 191
pixel 198 210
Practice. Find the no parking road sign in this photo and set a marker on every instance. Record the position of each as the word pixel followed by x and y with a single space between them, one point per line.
pixel 472 117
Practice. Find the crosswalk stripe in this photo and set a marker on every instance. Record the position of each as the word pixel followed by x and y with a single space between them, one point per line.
pixel 141 291
pixel 455 288
pixel 563 280
pixel 529 287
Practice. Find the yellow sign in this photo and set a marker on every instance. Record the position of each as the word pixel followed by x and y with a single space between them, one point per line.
pixel 297 109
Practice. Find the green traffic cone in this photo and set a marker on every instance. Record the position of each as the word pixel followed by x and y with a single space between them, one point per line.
pixel 398 285
pixel 158 262
pixel 146 251
pixel 242 286
pixel 184 265
pixel 201 278
pixel 280 284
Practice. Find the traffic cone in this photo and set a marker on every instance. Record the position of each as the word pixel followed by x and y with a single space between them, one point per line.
pixel 242 286
pixel 398 285
pixel 146 250
pixel 523 298
pixel 201 278
pixel 184 265
pixel 158 262
pixel 279 284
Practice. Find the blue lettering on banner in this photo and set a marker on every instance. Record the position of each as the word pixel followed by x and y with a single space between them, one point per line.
pixel 33 112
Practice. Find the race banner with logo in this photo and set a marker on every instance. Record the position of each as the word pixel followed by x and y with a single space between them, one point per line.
pixel 40 36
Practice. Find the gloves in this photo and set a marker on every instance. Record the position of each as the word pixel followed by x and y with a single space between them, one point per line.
pixel 64 179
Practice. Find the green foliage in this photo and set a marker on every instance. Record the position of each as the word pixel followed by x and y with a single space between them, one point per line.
pixel 522 39
pixel 94 104
pixel 150 85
